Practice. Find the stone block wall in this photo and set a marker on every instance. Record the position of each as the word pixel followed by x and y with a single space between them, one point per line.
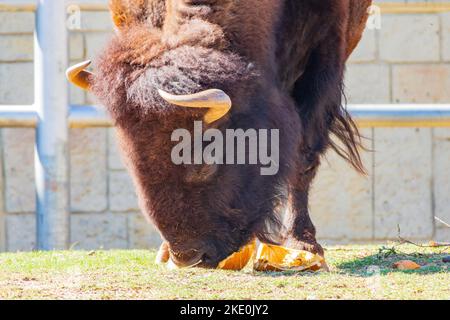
pixel 408 182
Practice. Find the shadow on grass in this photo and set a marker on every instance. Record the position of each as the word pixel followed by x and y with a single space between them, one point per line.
pixel 366 266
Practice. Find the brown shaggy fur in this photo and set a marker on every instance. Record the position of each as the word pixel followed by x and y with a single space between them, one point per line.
pixel 281 62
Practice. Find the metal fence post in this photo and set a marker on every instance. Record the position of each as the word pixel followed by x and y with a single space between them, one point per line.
pixel 51 101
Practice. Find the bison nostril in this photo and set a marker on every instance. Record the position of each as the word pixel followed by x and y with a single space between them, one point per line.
pixel 205 258
pixel 209 261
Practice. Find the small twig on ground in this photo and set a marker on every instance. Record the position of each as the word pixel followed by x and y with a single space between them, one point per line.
pixel 442 221
pixel 73 245
pixel 433 245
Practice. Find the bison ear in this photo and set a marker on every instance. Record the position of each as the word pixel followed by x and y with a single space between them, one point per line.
pixel 127 12
pixel 120 12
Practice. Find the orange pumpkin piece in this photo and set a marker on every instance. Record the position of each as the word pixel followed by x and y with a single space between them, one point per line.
pixel 163 255
pixel 406 265
pixel 277 258
pixel 267 258
pixel 238 260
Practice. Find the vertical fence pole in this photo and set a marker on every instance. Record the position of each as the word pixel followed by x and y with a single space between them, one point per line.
pixel 51 101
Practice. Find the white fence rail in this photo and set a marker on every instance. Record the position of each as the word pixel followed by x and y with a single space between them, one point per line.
pixel 366 115
pixel 17 116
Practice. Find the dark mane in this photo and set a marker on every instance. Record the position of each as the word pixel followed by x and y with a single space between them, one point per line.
pixel 139 61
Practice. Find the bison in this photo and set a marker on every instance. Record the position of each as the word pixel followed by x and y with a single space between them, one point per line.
pixel 233 64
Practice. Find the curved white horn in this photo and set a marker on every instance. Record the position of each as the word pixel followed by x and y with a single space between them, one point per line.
pixel 217 101
pixel 80 77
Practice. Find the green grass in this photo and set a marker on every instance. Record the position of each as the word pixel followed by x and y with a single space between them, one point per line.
pixel 133 275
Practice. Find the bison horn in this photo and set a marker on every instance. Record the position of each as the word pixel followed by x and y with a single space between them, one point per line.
pixel 80 77
pixel 218 102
